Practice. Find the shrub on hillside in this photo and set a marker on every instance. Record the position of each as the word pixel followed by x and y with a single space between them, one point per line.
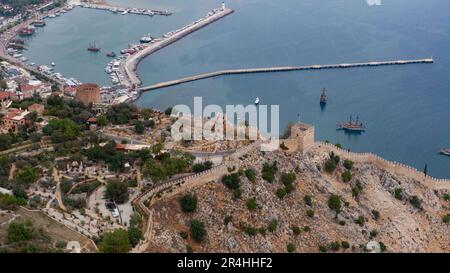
pixel 188 203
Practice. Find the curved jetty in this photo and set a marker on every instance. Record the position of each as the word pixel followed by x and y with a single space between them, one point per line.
pixel 280 69
pixel 132 62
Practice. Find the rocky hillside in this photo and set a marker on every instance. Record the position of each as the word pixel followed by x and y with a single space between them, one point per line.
pixel 312 211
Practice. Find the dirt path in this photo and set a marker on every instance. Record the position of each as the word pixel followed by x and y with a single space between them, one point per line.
pixel 58 189
pixel 12 171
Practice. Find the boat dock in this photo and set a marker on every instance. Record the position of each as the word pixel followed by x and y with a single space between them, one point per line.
pixel 127 10
pixel 282 69
pixel 130 64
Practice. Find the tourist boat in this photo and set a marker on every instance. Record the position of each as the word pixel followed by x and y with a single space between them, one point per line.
pixel 16 46
pixel 111 54
pixel 93 48
pixel 146 39
pixel 17 41
pixel 323 98
pixel 445 151
pixel 352 126
pixel 257 101
pixel 26 31
pixel 39 23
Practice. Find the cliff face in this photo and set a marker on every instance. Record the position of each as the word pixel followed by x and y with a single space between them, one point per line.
pixel 402 226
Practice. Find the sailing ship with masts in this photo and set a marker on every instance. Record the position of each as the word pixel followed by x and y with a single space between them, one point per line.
pixel 352 125
pixel 93 48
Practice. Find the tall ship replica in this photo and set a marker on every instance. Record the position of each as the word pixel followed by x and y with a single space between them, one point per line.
pixel 323 98
pixel 351 125
pixel 93 48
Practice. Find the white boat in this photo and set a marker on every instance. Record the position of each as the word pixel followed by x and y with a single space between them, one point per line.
pixel 53 64
pixel 146 39
pixel 257 101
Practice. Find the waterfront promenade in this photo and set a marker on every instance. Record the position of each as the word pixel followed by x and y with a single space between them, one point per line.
pixel 281 69
pixel 130 65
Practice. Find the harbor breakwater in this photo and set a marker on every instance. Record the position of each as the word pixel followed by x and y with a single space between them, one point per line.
pixel 130 65
pixel 282 69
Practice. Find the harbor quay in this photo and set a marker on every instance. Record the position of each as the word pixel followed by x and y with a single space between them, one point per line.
pixel 129 65
pixel 125 10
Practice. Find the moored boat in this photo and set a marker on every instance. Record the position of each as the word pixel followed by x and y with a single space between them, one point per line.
pixel 323 97
pixel 26 31
pixel 146 39
pixel 93 48
pixel 257 101
pixel 352 126
pixel 39 23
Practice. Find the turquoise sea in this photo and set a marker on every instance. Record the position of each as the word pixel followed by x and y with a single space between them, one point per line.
pixel 405 108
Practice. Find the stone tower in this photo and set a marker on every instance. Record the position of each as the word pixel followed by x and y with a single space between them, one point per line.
pixel 300 139
pixel 88 93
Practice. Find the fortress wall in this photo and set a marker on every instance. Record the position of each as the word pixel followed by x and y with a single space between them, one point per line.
pixel 395 167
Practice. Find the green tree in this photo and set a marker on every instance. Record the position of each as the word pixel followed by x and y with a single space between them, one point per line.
pixel 250 174
pixel 446 219
pixel 398 193
pixel 334 203
pixel 117 191
pixel 201 167
pixel 251 204
pixel 346 176
pixel 268 171
pixel 139 127
pixel 188 203
pixel 102 120
pixel 296 230
pixel 348 164
pixel 281 193
pixel 134 235
pixel 232 181
pixel 198 230
pixel 116 241
pixel 168 111
pixel 308 200
pixel 18 232
pixel 273 225
pixel 291 247
pixel 5 165
pixel 288 178
pixel 330 166
pixel 416 202
pixel 27 175
pixel 62 130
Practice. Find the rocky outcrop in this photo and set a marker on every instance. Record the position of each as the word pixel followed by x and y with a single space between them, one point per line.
pixel 401 225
